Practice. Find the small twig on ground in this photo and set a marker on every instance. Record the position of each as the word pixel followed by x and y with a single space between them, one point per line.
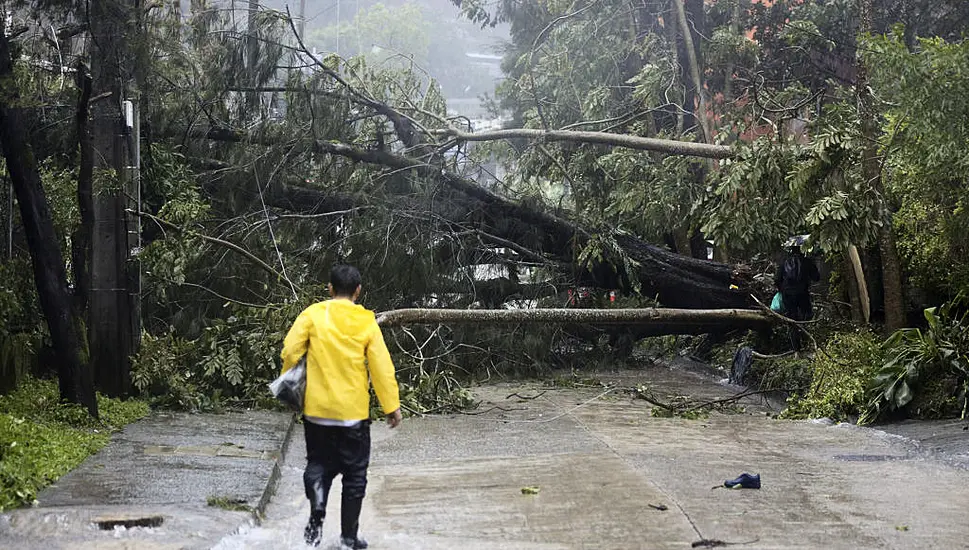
pixel 410 410
pixel 566 413
pixel 495 408
pixel 716 543
pixel 757 355
pixel 526 397
pixel 740 396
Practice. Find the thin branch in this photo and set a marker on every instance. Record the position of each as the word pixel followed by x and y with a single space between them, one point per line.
pixel 531 57
pixel 225 298
pixel 514 246
pixel 226 244
pixel 272 235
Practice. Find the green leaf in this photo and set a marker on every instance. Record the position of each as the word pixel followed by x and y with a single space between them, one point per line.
pixel 903 395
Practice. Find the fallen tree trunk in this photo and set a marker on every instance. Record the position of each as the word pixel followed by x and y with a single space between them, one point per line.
pixel 674 280
pixel 664 321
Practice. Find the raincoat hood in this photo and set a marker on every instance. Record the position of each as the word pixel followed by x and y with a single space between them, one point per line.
pixel 346 320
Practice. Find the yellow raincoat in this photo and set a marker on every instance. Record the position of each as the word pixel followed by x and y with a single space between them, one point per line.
pixel 342 342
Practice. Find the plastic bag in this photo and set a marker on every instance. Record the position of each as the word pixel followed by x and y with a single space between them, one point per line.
pixel 777 304
pixel 290 387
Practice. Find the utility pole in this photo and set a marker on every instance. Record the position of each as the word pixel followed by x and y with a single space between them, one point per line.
pixel 132 197
pixel 113 324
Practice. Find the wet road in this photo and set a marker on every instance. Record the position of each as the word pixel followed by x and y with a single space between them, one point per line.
pixel 603 465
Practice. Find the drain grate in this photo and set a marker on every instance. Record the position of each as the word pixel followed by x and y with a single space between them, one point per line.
pixel 109 524
pixel 869 458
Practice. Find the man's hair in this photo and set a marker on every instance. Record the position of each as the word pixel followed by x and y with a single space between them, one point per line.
pixel 345 279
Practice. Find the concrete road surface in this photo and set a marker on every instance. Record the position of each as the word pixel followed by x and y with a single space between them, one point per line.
pixel 610 475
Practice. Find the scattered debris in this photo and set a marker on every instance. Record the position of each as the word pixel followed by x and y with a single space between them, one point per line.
pixel 684 406
pixel 716 543
pixel 526 397
pixel 231 504
pixel 531 490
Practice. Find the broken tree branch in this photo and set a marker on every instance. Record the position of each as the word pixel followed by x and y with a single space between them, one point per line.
pixel 668 146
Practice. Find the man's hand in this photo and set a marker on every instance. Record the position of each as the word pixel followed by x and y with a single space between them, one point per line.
pixel 394 419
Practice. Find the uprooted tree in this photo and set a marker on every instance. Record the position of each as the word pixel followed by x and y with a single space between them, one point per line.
pixel 416 165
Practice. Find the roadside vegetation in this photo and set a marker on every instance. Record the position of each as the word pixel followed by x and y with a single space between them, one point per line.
pixel 42 438
pixel 856 375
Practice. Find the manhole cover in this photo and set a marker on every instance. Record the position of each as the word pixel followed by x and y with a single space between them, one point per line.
pixel 869 458
pixel 109 524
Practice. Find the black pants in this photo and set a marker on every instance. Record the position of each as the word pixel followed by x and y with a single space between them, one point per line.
pixel 333 450
pixel 797 306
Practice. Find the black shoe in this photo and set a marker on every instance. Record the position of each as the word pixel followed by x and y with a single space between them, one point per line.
pixel 356 543
pixel 314 531
pixel 745 481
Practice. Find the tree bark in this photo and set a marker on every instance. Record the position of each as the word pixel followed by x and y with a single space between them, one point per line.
pixel 662 320
pixel 692 56
pixel 81 241
pixel 668 146
pixel 50 275
pixel 871 172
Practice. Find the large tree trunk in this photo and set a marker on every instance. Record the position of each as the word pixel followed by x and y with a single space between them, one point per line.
pixel 674 280
pixel 50 275
pixel 660 321
pixel 871 172
pixel 81 241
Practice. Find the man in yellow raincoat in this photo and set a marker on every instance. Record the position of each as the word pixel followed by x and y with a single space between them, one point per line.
pixel 345 353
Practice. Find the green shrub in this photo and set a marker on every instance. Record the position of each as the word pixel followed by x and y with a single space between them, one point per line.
pixel 230 363
pixel 840 374
pixel 41 438
pixel 927 371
